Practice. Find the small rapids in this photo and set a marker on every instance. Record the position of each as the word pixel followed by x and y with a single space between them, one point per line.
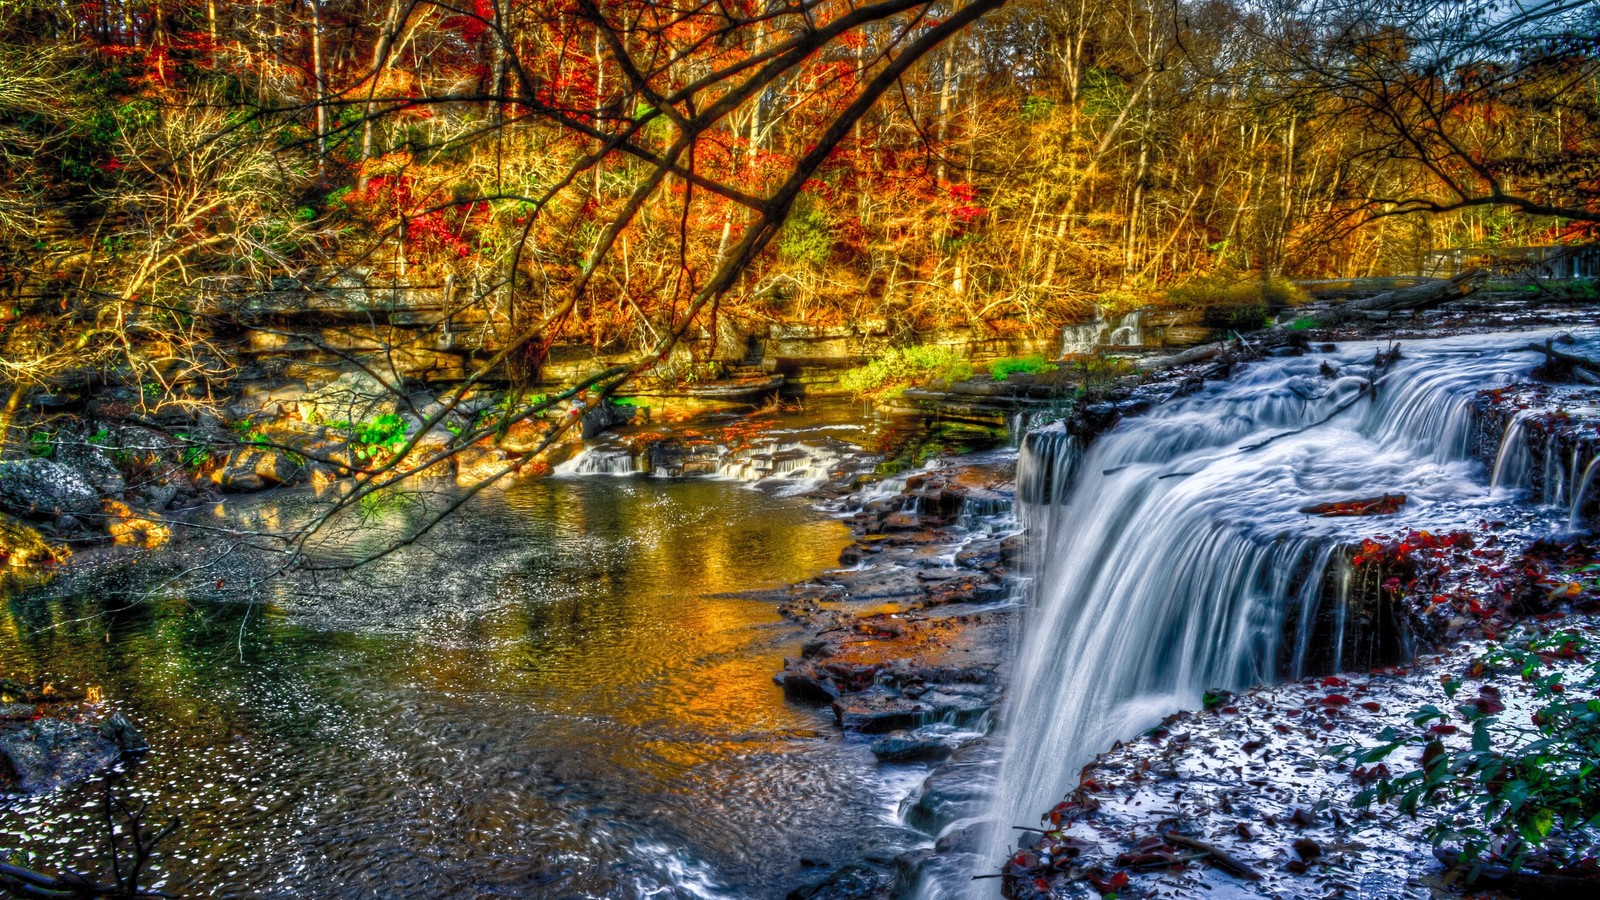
pixel 1171 556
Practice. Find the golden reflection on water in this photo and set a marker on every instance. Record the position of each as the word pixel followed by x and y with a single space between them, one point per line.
pixel 563 641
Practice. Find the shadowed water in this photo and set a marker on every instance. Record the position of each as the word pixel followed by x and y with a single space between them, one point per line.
pixel 545 700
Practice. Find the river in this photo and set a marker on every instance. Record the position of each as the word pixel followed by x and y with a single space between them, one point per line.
pixel 547 699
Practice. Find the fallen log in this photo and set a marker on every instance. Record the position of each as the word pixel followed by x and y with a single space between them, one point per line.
pixel 1560 366
pixel 1188 357
pixel 1222 858
pixel 1418 296
pixel 1387 505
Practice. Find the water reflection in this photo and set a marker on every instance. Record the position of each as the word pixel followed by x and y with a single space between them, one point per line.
pixel 546 699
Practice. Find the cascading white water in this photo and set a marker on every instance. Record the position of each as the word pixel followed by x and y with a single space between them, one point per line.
pixel 601 461
pixel 1168 556
pixel 1085 338
pixel 1564 478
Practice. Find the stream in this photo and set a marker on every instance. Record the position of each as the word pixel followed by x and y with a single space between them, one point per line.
pixel 546 699
pixel 560 694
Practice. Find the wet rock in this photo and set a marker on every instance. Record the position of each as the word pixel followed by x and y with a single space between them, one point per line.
pixel 47 753
pixel 128 527
pixel 902 521
pixel 94 464
pixel 604 416
pixel 905 748
pixel 254 468
pixel 118 730
pixel 806 684
pixel 352 397
pixel 877 710
pixel 22 546
pixel 853 882
pixel 158 496
pixel 44 489
pixel 960 789
pixel 474 465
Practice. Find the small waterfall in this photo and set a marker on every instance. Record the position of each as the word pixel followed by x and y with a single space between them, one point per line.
pixel 1046 465
pixel 1129 332
pixel 1513 462
pixel 1079 339
pixel 1085 338
pixel 601 461
pixel 1170 556
pixel 1581 494
pixel 1017 426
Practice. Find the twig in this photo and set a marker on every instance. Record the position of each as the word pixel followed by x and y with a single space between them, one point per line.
pixel 1221 857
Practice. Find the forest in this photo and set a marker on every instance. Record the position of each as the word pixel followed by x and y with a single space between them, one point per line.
pixel 799 449
pixel 633 174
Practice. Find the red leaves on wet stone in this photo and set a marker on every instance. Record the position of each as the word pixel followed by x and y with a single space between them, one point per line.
pixel 1365 776
pixel 1109 885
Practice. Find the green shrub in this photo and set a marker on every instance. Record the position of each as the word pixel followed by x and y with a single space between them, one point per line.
pixel 1007 366
pixel 1213 291
pixel 807 238
pixel 1527 783
pixel 901 366
pixel 386 433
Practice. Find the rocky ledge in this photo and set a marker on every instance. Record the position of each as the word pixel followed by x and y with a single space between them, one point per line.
pixel 1255 795
pixel 52 736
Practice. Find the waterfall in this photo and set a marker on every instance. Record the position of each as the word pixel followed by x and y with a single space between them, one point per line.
pixel 1170 556
pixel 603 460
pixel 1084 338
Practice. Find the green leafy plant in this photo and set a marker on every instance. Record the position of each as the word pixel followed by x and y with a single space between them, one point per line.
pixel 195 454
pixel 385 434
pixel 41 444
pixel 249 433
pixel 1521 787
pixel 1007 366
pixel 901 366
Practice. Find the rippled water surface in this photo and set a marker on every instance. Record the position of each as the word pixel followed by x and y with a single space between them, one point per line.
pixel 545 700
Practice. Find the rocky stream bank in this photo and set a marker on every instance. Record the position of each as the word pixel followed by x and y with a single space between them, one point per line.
pixel 910 637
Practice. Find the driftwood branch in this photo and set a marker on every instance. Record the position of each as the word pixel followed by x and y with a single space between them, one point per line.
pixel 1223 859
pixel 1565 366
pixel 1193 355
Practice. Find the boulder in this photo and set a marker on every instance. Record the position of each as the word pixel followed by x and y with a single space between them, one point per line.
pixel 910 748
pixel 352 397
pixel 856 881
pixel 95 465
pixel 134 528
pixel 47 753
pixel 605 416
pixel 475 465
pixel 253 468
pixel 44 489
